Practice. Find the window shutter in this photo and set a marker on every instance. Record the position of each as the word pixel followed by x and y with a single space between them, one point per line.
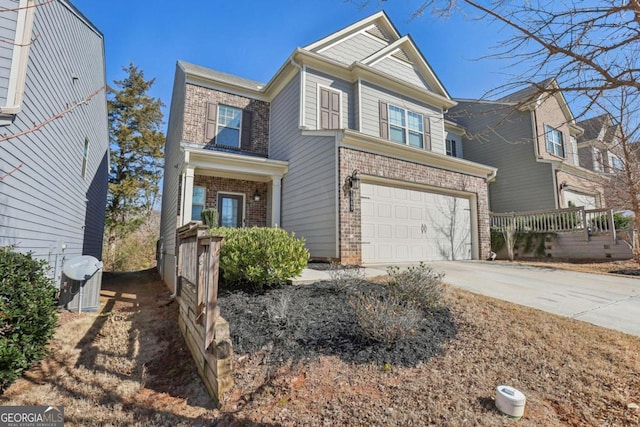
pixel 325 109
pixel 245 138
pixel 210 126
pixel 384 120
pixel 334 110
pixel 427 133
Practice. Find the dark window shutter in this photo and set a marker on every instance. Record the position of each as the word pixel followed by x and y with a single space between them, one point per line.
pixel 334 110
pixel 454 146
pixel 384 120
pixel 325 109
pixel 427 133
pixel 245 138
pixel 210 126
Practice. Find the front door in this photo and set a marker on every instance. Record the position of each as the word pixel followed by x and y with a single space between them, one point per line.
pixel 231 210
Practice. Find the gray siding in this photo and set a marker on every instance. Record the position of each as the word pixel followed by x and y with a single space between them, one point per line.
pixel 372 95
pixel 354 49
pixel 8 20
pixel 585 156
pixel 403 71
pixel 503 138
pixel 315 78
pixel 46 206
pixel 309 189
pixel 173 160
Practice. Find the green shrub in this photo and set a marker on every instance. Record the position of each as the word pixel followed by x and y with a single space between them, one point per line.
pixel 621 222
pixel 209 217
pixel 27 313
pixel 420 285
pixel 385 318
pixel 260 257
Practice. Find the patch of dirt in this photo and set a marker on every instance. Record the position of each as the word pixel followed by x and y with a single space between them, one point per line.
pixel 128 365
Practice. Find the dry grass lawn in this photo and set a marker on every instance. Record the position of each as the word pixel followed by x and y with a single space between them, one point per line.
pixel 128 366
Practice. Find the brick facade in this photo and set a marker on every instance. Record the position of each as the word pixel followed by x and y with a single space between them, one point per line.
pixel 195 112
pixel 400 170
pixel 255 211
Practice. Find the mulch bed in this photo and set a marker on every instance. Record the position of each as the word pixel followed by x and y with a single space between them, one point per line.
pixel 301 323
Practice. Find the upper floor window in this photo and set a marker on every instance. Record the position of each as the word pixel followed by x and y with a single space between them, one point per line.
pixel 450 146
pixel 406 127
pixel 616 163
pixel 597 160
pixel 229 120
pixel 555 143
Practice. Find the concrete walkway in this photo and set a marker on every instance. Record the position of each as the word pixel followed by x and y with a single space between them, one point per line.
pixel 609 301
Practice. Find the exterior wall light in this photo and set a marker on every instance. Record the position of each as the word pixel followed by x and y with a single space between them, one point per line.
pixel 563 185
pixel 353 181
pixel 256 196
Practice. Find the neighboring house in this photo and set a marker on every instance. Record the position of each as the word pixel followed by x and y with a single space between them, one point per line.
pixel 54 147
pixel 345 146
pixel 531 137
pixel 598 145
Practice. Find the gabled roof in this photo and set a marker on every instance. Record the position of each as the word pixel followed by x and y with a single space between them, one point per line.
pixel 209 74
pixel 529 97
pixel 380 19
pixel 593 127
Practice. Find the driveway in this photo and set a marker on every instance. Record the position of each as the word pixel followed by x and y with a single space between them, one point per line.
pixel 609 301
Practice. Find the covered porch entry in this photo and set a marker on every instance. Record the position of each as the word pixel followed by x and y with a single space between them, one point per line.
pixel 246 190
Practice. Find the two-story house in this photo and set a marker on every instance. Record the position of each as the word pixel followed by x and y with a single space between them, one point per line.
pixel 54 140
pixel 531 137
pixel 346 146
pixel 599 145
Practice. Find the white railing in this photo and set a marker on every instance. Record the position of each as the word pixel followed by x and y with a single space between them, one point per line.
pixel 588 221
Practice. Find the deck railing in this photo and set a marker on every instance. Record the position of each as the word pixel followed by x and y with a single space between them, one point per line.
pixel 578 219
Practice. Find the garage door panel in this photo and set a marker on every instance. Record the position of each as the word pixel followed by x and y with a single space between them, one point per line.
pixel 407 225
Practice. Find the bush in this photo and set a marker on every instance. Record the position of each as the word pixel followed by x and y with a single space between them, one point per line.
pixel 260 257
pixel 209 217
pixel 27 314
pixel 622 222
pixel 418 284
pixel 385 318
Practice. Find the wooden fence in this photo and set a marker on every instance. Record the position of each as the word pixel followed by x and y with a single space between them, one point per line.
pixel 204 330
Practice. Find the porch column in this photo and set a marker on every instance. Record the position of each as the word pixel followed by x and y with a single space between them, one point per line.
pixel 276 195
pixel 187 193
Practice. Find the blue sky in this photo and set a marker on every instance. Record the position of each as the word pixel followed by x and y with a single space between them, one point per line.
pixel 253 38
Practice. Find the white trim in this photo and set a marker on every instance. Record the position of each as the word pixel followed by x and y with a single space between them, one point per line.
pixel 20 58
pixel 218 126
pixel 366 32
pixel 330 89
pixel 244 205
pixel 303 96
pixel 359 82
pixel 344 39
pixel 406 128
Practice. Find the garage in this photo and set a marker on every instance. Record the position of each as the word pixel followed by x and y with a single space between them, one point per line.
pixel 407 225
pixel 574 198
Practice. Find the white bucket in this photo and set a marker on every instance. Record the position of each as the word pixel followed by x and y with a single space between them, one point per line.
pixel 510 401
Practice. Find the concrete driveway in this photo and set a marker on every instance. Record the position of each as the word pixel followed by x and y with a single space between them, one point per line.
pixel 609 301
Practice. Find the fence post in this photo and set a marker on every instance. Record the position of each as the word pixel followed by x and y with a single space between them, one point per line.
pixel 584 224
pixel 612 227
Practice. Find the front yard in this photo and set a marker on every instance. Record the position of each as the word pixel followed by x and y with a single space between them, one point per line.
pixel 128 365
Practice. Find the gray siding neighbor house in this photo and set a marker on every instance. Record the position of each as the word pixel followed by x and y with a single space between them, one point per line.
pixel 346 146
pixel 531 137
pixel 54 143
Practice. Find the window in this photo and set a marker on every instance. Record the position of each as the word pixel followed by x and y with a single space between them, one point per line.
pixel 616 163
pixel 197 203
pixel 451 147
pixel 228 131
pixel 406 127
pixel 555 144
pixel 85 156
pixel 597 159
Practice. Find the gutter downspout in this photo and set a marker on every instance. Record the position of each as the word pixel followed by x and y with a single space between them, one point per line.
pixel 302 69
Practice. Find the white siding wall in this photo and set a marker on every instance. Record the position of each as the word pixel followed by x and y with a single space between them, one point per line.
pixel 309 189
pixel 354 49
pixel 315 78
pixel 47 207
pixel 170 195
pixel 402 70
pixel 372 95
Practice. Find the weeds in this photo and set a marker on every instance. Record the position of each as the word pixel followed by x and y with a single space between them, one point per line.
pixel 419 284
pixel 346 277
pixel 385 318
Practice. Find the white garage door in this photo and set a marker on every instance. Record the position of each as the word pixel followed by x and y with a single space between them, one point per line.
pixel 402 225
pixel 573 198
